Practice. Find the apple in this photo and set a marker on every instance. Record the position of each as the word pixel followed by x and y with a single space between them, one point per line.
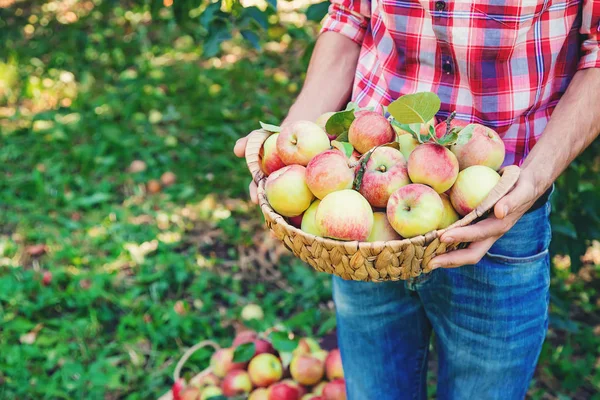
pixel 328 172
pixel 265 369
pixel 382 230
pixel 300 141
pixel 322 122
pixel 385 172
pixel 335 390
pixel 177 387
pixel 245 336
pixel 259 394
pixel 433 165
pixel 472 187
pixel 222 363
pixel 345 215
pixel 423 131
pixel 370 129
pixel 450 215
pixel 354 157
pixel 236 382
pixel 306 345
pixel 333 365
pixel 284 391
pixel 318 389
pixel 309 224
pixel 210 391
pixel 209 379
pixel 311 396
pixel 287 191
pixel 296 221
pixel 263 346
pixel 271 161
pixel 414 210
pixel 484 148
pixel 440 129
pixel 307 369
pixel 407 144
pixel 252 311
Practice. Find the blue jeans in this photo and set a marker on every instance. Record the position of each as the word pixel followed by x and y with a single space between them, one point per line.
pixel 489 319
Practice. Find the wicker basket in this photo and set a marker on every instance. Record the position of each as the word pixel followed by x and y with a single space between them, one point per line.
pixel 364 261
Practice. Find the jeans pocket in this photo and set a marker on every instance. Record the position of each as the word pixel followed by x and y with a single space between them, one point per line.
pixel 511 260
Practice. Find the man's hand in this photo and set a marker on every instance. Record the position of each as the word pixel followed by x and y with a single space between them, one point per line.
pixel 484 234
pixel 240 151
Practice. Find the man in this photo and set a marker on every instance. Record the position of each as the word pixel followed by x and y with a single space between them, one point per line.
pixel 530 70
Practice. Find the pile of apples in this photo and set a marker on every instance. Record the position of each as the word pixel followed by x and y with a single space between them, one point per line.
pixel 357 175
pixel 310 373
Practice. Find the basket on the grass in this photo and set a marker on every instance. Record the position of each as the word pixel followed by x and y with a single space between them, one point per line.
pixel 365 261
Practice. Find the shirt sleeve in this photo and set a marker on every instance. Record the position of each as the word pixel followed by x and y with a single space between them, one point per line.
pixel 590 31
pixel 349 18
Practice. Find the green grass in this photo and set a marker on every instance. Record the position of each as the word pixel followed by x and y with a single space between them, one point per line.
pixel 139 277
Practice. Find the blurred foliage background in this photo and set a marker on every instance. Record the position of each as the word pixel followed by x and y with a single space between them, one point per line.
pixel 125 231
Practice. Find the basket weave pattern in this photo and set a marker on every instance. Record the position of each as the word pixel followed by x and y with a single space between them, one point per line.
pixel 364 261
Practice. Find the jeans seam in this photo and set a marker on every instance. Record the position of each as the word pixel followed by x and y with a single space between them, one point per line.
pixel 422 355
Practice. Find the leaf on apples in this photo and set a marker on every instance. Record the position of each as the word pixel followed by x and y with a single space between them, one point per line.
pixel 417 108
pixel 217 397
pixel 270 128
pixel 465 134
pixel 344 147
pixel 449 138
pixel 352 106
pixel 282 342
pixel 339 123
pixel 362 168
pixel 286 358
pixel 244 352
pixel 394 145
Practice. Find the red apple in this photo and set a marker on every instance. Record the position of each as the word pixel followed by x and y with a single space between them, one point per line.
pixel 300 141
pixel 236 382
pixel 328 172
pixel 311 396
pixel 333 365
pixel 190 393
pixel 433 165
pixel 245 336
pixel 222 363
pixel 296 221
pixel 318 389
pixel 271 161
pixel 385 172
pixel 177 387
pixel 382 230
pixel 322 122
pixel 284 391
pixel 370 129
pixel 265 369
pixel 306 345
pixel 209 379
pixel 259 394
pixel 345 215
pixel 307 369
pixel 440 129
pixel 484 148
pixel 335 390
pixel 263 346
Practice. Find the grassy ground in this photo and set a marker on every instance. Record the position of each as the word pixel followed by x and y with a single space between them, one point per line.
pixel 104 280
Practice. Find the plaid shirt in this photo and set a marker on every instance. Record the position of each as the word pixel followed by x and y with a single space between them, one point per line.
pixel 502 63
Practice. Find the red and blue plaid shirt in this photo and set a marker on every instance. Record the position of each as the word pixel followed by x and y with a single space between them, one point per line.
pixel 502 63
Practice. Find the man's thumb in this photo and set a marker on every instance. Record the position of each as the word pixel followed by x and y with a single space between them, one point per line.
pixel 505 205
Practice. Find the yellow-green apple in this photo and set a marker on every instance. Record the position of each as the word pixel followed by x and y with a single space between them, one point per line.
pixel 287 191
pixel 209 379
pixel 433 165
pixel 472 187
pixel 382 230
pixel 210 391
pixel 259 394
pixel 309 224
pixel 265 369
pixel 271 161
pixel 311 396
pixel 484 148
pixel 450 215
pixel 307 369
pixel 306 345
pixel 385 172
pixel 407 144
pixel 222 363
pixel 370 129
pixel 318 389
pixel 300 141
pixel 190 393
pixel 335 390
pixel 415 209
pixel 236 382
pixel 245 336
pixel 284 390
pixel 322 122
pixel 440 129
pixel 328 172
pixel 333 365
pixel 345 215
pixel 252 311
pixel 296 221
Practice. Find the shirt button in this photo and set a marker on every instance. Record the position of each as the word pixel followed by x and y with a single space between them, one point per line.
pixel 440 5
pixel 447 67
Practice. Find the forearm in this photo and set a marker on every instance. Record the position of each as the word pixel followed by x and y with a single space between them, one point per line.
pixel 574 124
pixel 329 78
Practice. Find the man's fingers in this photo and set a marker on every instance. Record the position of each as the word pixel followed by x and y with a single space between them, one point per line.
pixel 253 192
pixel 458 258
pixel 518 198
pixel 489 227
pixel 240 147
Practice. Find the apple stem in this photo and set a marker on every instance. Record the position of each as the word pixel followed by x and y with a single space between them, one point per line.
pixel 449 121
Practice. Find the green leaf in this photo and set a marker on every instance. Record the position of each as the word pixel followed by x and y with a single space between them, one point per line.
pixel 352 106
pixel 244 352
pixel 465 134
pixel 281 341
pixel 256 14
pixel 217 397
pixel 415 108
pixel 449 138
pixel 327 326
pixel 209 14
pixel 270 128
pixel 252 37
pixel 272 3
pixel 339 123
pixel 394 145
pixel 316 12
pixel 362 168
pixel 344 147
